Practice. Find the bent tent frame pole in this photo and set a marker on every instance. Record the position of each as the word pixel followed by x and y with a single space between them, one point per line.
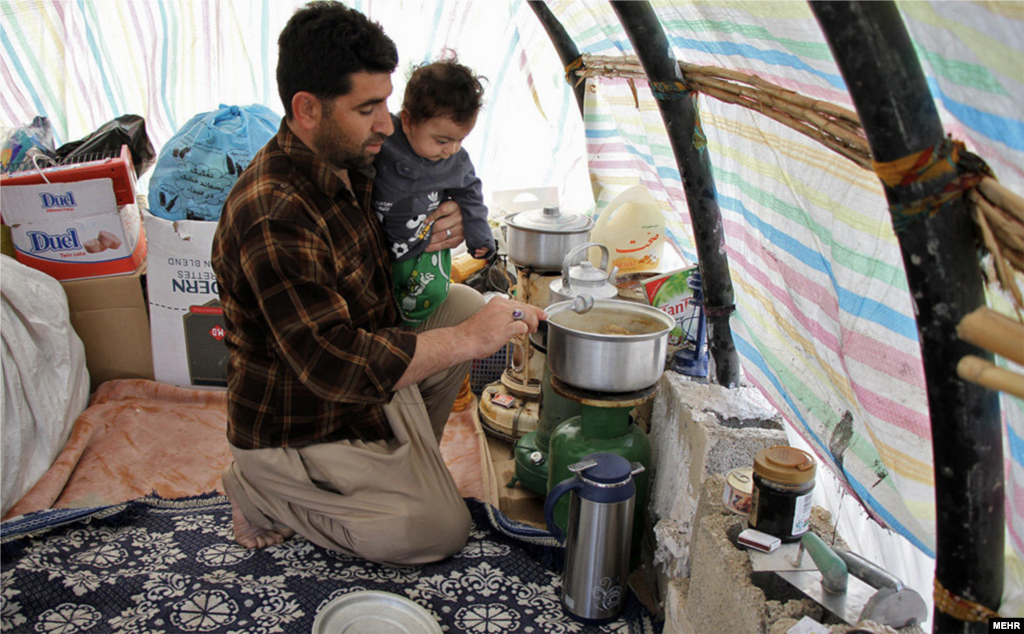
pixel 878 62
pixel 566 48
pixel 679 113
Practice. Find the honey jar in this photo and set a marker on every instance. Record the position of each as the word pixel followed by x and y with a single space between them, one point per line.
pixel 783 481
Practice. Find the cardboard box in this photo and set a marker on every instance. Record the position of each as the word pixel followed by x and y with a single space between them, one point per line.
pixel 74 230
pixel 186 320
pixel 119 169
pixel 679 294
pixel 111 317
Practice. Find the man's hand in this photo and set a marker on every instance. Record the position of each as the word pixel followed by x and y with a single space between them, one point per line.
pixel 478 337
pixel 447 228
pixel 497 322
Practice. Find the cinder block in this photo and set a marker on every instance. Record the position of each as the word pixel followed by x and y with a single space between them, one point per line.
pixel 698 430
pixel 676 620
pixel 722 597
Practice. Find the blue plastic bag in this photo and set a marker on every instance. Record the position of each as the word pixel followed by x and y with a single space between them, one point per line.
pixel 199 165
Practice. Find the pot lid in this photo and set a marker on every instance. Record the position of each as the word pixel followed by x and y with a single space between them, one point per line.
pixel 784 465
pixel 585 273
pixel 608 468
pixel 549 220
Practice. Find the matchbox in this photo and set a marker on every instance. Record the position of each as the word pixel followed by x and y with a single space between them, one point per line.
pixel 752 538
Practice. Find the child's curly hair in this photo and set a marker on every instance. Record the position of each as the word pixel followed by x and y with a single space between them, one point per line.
pixel 444 88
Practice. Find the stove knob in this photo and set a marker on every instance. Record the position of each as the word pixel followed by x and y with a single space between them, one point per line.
pixel 536 458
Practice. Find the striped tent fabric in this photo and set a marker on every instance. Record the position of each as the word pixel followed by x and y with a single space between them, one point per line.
pixel 824 323
pixel 82 64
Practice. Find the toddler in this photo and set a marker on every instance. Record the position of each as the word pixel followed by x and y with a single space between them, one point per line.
pixel 420 166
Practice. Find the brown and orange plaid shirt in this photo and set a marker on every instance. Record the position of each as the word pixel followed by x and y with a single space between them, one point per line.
pixel 305 281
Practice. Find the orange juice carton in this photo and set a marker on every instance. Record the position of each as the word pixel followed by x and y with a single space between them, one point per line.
pixel 679 294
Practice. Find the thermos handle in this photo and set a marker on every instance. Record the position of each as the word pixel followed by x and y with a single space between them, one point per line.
pixel 563 487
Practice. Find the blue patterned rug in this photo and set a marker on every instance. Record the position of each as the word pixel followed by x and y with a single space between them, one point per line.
pixel 155 566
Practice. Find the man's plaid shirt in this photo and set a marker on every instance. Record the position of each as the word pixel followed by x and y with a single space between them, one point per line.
pixel 305 282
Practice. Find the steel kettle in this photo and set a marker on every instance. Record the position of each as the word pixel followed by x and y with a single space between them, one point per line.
pixel 597 536
pixel 583 279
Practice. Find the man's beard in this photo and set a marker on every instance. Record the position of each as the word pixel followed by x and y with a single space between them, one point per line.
pixel 337 149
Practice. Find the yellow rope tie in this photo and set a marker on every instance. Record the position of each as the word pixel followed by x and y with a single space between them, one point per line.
pixel 665 90
pixel 574 65
pixel 700 140
pixel 960 608
pixel 948 157
pixel 926 165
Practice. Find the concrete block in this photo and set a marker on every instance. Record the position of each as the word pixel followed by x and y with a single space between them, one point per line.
pixel 697 430
pixel 722 597
pixel 676 620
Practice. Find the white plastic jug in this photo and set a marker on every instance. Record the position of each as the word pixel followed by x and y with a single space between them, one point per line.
pixel 632 226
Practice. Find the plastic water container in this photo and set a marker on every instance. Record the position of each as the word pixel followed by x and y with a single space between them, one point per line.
pixel 632 226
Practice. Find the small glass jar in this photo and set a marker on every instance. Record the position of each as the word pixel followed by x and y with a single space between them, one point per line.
pixel 781 493
pixel 738 485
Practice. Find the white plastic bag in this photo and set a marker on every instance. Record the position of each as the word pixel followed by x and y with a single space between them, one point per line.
pixel 46 383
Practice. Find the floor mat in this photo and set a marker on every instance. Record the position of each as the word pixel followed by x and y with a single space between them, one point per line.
pixel 155 565
pixel 139 438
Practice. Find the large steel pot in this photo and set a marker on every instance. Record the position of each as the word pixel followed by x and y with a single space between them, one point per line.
pixel 616 346
pixel 540 238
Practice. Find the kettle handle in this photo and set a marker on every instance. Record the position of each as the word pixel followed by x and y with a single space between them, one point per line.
pixel 563 487
pixel 574 253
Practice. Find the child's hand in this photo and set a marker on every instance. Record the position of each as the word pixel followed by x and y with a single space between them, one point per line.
pixel 447 227
pixel 481 253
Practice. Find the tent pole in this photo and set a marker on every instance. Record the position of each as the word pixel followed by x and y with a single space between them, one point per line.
pixel 679 113
pixel 877 59
pixel 566 48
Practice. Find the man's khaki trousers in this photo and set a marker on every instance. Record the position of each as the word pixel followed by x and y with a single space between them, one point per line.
pixel 387 501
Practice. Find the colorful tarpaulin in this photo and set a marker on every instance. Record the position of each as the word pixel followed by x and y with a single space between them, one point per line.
pixel 824 324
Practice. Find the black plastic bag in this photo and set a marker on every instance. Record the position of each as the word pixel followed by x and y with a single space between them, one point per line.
pixel 106 141
pixel 495 277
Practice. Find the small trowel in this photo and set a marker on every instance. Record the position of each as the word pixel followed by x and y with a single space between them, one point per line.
pixel 843 582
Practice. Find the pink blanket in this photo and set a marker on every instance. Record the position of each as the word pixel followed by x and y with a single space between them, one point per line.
pixel 140 437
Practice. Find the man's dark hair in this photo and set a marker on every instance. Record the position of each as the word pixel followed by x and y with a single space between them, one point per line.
pixel 322 45
pixel 444 88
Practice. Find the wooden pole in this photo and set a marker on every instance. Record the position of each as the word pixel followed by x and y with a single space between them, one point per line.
pixel 884 77
pixel 991 376
pixel 679 114
pixel 994 332
pixel 566 48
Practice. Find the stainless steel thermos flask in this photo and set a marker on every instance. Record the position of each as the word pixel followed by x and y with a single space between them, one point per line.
pixel 597 535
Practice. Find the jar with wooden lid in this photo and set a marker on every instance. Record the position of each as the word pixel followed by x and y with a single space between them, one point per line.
pixel 781 493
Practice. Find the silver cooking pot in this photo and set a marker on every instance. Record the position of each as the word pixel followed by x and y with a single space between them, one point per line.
pixel 616 346
pixel 540 238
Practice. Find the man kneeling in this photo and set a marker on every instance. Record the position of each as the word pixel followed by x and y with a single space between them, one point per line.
pixel 334 410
